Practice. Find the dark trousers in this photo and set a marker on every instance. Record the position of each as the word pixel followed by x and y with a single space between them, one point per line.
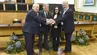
pixel 29 41
pixel 45 42
pixel 56 41
pixel 56 34
pixel 68 47
pixel 40 42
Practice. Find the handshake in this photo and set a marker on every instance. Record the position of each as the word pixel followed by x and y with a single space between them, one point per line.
pixel 50 21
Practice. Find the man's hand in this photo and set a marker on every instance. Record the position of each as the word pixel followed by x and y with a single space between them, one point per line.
pixel 50 21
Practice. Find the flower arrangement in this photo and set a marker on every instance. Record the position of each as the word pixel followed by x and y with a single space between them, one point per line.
pixel 82 38
pixel 15 45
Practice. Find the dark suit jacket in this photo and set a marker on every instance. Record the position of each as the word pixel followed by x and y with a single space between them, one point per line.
pixel 56 32
pixel 43 26
pixel 41 13
pixel 32 22
pixel 68 21
pixel 58 17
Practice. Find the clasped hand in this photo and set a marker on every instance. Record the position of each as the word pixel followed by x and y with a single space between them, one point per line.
pixel 50 21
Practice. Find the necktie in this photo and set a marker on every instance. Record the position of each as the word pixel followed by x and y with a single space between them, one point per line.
pixel 45 14
pixel 64 12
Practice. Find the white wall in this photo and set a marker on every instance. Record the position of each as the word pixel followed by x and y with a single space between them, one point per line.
pixel 2 0
pixel 53 1
pixel 79 6
pixel 8 0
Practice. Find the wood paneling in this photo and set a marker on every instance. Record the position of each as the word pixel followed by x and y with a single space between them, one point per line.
pixel 8 30
pixel 1 16
pixel 95 29
pixel 7 17
pixel 21 16
pixel 28 1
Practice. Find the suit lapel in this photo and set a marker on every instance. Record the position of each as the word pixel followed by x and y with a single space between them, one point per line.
pixel 65 12
pixel 45 14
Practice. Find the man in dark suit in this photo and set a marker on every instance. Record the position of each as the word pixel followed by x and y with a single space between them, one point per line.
pixel 31 27
pixel 44 29
pixel 68 25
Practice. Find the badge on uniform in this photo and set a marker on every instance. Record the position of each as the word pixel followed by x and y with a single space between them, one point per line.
pixel 61 23
pixel 55 26
pixel 40 25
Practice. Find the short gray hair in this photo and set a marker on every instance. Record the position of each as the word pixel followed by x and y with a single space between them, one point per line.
pixel 45 5
pixel 65 2
pixel 35 5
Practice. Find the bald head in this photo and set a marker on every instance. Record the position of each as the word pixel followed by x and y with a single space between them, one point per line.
pixel 65 4
pixel 35 7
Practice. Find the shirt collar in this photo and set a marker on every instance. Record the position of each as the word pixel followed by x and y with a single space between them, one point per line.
pixel 65 9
